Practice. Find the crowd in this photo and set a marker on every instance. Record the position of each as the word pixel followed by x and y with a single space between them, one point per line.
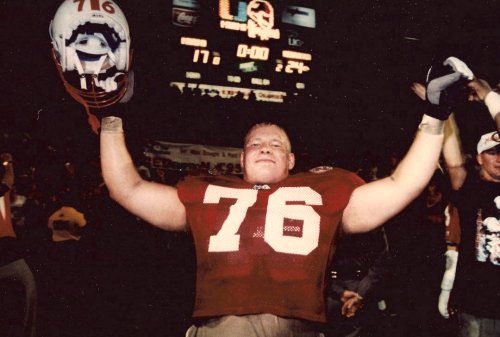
pixel 95 263
pixel 87 267
pixel 98 270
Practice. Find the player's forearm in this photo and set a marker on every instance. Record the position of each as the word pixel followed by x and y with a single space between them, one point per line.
pixel 453 154
pixel 118 170
pixel 413 173
pixel 452 147
pixel 374 203
pixel 419 164
pixel 155 203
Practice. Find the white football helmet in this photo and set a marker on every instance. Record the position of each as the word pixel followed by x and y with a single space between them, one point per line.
pixel 91 44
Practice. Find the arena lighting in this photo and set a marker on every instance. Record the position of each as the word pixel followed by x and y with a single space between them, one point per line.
pixel 260 81
pixel 290 54
pixel 234 79
pixel 194 42
pixel 193 75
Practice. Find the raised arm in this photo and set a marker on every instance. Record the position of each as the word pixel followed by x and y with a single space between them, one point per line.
pixel 452 147
pixel 453 154
pixel 155 203
pixel 374 203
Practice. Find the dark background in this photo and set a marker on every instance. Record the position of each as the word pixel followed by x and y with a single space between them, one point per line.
pixel 125 278
pixel 366 54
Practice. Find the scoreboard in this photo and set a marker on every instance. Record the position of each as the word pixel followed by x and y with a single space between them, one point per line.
pixel 253 49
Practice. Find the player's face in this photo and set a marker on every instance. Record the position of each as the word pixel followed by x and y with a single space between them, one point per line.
pixel 266 157
pixel 489 161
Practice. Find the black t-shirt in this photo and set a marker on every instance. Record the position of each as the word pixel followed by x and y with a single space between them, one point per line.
pixel 10 250
pixel 477 282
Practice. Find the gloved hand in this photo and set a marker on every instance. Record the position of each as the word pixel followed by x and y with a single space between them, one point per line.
pixel 110 83
pixel 446 86
pixel 459 66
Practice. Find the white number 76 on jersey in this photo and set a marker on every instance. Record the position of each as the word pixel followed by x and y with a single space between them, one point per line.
pixel 226 240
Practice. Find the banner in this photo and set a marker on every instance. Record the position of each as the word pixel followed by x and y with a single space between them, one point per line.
pixel 231 92
pixel 185 157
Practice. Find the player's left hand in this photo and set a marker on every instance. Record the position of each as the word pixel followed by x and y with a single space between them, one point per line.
pixel 445 86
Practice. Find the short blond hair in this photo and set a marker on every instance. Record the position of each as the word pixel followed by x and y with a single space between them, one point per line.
pixel 288 144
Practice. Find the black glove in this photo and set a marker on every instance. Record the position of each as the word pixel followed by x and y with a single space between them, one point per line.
pixel 447 87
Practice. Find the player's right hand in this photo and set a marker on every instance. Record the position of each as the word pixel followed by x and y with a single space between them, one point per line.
pixel 109 84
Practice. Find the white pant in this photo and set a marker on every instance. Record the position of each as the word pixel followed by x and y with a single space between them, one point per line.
pixel 261 325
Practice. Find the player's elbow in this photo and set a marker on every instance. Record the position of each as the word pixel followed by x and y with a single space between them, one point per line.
pixel 174 223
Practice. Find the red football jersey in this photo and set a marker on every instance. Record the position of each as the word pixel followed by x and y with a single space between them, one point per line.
pixel 264 248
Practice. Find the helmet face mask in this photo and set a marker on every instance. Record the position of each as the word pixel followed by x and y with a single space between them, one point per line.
pixel 91 44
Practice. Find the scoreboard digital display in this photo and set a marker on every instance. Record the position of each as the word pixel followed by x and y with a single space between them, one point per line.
pixel 254 49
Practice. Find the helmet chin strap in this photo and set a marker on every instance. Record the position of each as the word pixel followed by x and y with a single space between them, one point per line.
pixel 98 68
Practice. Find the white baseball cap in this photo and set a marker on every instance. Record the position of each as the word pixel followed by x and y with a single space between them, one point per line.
pixel 488 140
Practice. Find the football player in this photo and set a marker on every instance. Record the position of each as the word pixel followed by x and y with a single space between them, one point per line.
pixel 263 243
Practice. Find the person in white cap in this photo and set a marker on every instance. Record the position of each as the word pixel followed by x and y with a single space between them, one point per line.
pixel 473 280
